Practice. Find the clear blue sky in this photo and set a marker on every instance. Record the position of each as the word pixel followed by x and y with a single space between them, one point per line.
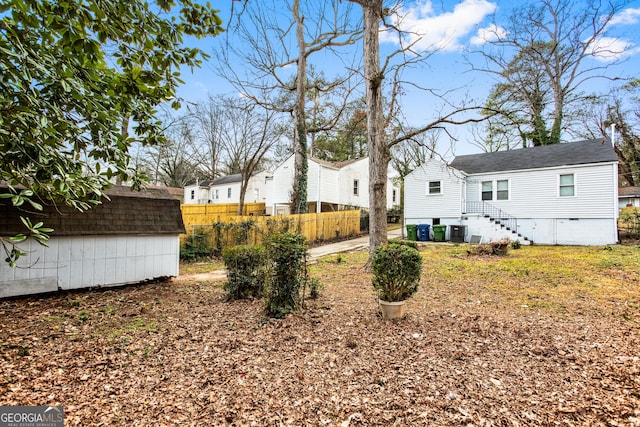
pixel 455 27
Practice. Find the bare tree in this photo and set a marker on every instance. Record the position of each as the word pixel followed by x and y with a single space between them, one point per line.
pixel 208 120
pixel 542 58
pixel 379 141
pixel 173 162
pixel 324 27
pixel 245 135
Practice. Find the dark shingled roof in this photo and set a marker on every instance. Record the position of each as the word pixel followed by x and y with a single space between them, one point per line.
pixel 574 153
pixel 227 179
pixel 152 211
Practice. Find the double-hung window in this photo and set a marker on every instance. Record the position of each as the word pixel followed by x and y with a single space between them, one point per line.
pixel 435 187
pixel 502 190
pixel 567 186
pixel 487 190
pixel 356 187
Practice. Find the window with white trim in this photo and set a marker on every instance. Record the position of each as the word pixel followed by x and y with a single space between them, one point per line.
pixel 193 194
pixel 356 187
pixel 487 190
pixel 435 187
pixel 229 193
pixel 217 194
pixel 567 187
pixel 502 189
pixel 394 196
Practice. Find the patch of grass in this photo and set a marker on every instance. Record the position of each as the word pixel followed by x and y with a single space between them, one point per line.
pixel 201 267
pixel 555 279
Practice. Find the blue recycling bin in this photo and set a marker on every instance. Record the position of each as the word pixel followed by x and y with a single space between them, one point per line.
pixel 423 232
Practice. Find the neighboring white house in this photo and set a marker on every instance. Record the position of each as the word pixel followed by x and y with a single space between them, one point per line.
pixel 226 189
pixel 629 196
pixel 131 237
pixel 554 194
pixel 330 186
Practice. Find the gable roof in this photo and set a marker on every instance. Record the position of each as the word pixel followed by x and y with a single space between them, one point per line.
pixel 574 153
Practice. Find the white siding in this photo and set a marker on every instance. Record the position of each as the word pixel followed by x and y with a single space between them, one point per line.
pixel 199 194
pixel 357 170
pixel 279 189
pixel 534 194
pixel 87 261
pixel 421 207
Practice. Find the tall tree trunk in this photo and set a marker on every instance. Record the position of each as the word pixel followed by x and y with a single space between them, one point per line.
pixel 379 156
pixel 244 183
pixel 299 196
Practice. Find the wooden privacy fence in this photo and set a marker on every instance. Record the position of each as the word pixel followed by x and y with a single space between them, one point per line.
pixel 237 230
pixel 209 213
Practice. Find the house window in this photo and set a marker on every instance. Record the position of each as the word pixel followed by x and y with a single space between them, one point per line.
pixel 567 185
pixel 229 193
pixel 487 190
pixel 393 196
pixel 356 188
pixel 193 194
pixel 502 188
pixel 435 187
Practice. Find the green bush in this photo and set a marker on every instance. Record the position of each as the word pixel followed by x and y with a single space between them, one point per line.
pixel 629 221
pixel 396 271
pixel 245 266
pixel 287 254
pixel 409 243
pixel 198 244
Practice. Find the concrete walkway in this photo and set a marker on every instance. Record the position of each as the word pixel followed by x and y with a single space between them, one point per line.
pixel 346 245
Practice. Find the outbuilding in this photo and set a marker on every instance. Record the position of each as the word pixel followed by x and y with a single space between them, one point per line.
pixel 131 237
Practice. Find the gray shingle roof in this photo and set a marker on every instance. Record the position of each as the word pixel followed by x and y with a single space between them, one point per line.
pixel 574 153
pixel 227 179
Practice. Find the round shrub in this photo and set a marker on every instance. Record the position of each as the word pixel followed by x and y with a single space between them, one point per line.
pixel 396 271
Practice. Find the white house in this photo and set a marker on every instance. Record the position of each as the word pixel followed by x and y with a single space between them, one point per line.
pixel 226 189
pixel 629 196
pixel 131 237
pixel 330 186
pixel 554 194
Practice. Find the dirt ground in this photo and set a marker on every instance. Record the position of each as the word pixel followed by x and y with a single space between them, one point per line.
pixel 176 353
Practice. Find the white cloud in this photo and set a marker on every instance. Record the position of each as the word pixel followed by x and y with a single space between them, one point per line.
pixel 608 49
pixel 445 31
pixel 488 34
pixel 626 17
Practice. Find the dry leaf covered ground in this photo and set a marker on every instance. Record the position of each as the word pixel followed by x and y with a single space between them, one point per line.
pixel 543 336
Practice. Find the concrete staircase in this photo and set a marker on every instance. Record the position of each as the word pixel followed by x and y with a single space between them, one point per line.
pixel 493 223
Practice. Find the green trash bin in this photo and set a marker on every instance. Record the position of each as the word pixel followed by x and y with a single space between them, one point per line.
pixel 412 232
pixel 439 232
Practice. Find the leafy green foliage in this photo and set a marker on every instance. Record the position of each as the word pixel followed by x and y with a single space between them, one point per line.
pixel 245 266
pixel 396 271
pixel 629 221
pixel 198 245
pixel 287 276
pixel 79 84
pixel 409 243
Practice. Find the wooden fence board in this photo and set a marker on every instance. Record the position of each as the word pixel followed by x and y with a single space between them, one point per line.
pixel 315 227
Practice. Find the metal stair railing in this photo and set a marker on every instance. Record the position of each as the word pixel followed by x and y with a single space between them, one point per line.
pixel 495 214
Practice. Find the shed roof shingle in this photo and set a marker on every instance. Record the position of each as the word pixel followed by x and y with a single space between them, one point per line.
pixel 574 153
pixel 152 211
